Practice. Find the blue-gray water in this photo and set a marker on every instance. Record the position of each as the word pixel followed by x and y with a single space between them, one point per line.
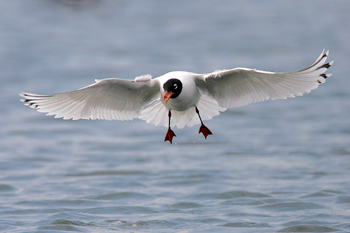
pixel 279 165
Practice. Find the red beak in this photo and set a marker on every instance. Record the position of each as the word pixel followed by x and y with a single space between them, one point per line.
pixel 167 96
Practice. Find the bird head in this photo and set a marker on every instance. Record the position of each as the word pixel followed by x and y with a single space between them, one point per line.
pixel 172 89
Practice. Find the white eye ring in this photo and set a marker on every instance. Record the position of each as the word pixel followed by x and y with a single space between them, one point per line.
pixel 175 86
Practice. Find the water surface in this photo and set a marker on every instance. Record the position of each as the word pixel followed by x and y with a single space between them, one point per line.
pixel 276 166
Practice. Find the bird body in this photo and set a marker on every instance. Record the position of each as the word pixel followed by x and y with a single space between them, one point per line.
pixel 179 98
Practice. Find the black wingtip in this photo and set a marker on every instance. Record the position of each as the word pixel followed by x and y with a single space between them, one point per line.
pixel 324 76
pixel 327 65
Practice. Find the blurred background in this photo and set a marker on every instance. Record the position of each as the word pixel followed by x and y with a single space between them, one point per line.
pixel 274 166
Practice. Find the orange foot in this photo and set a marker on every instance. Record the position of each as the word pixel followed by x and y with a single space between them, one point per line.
pixel 169 136
pixel 205 131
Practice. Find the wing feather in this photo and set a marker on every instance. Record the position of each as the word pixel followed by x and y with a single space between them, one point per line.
pixel 241 86
pixel 108 99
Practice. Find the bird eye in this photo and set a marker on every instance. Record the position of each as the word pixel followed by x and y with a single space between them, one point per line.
pixel 175 86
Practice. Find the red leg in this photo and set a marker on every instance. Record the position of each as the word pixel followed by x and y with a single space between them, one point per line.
pixel 203 129
pixel 170 134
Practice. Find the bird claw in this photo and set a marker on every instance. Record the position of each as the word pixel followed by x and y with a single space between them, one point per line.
pixel 205 131
pixel 169 136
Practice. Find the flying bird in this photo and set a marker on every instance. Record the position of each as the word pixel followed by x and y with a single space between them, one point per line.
pixel 179 98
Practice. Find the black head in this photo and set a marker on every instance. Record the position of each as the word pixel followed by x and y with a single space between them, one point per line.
pixel 173 86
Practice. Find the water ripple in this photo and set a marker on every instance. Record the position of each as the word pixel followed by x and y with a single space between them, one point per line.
pixel 123 196
pixel 308 228
pixel 6 188
pixel 106 173
pixel 186 205
pixel 246 224
pixel 121 210
pixel 293 206
pixel 232 194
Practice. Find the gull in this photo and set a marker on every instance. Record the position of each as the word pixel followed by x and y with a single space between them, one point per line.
pixel 179 98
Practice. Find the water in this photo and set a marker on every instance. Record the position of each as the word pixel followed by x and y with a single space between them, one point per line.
pixel 276 166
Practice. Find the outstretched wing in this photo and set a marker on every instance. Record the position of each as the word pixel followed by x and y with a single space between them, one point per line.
pixel 241 86
pixel 108 99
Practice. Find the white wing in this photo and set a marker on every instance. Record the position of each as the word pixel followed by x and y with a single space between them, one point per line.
pixel 108 99
pixel 241 86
